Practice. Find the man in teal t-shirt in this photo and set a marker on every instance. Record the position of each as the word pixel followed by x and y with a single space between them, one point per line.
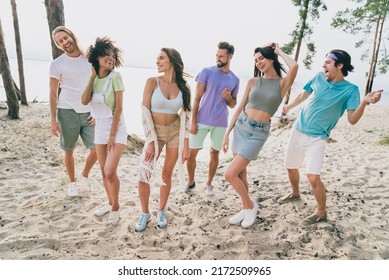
pixel 330 96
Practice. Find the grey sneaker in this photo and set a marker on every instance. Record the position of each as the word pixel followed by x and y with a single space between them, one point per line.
pixel 161 219
pixel 142 222
pixel 313 219
pixel 288 198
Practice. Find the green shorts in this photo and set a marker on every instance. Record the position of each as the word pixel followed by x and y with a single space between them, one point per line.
pixel 73 125
pixel 196 141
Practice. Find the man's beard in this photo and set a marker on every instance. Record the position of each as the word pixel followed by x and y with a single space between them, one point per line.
pixel 221 64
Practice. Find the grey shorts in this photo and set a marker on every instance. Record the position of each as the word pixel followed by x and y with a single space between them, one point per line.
pixel 249 136
pixel 73 125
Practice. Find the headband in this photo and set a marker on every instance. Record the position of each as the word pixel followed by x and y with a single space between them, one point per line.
pixel 333 56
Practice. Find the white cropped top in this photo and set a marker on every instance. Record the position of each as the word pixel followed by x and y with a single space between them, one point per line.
pixel 160 104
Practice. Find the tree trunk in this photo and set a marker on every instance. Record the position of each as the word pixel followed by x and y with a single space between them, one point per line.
pixel 55 17
pixel 373 59
pixel 12 100
pixel 19 53
pixel 377 44
pixel 299 42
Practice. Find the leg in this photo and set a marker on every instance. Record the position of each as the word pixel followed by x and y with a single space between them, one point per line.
pixel 167 172
pixel 191 165
pixel 213 164
pixel 294 179
pixel 101 152
pixel 89 162
pixel 69 165
pixel 110 171
pixel 319 192
pixel 233 173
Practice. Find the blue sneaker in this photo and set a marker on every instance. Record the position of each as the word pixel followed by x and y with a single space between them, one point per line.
pixel 161 219
pixel 142 222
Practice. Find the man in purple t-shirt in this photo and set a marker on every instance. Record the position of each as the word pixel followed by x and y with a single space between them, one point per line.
pixel 216 89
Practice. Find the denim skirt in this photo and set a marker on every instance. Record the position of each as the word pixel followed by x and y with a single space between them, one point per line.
pixel 249 136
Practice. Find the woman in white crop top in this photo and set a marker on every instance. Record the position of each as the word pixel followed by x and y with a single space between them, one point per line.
pixel 165 117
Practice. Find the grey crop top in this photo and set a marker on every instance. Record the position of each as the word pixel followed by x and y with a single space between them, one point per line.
pixel 160 104
pixel 265 95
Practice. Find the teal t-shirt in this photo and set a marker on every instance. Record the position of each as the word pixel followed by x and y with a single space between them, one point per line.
pixel 115 84
pixel 326 105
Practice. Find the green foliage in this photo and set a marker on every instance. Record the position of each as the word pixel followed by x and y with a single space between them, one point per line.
pixel 308 10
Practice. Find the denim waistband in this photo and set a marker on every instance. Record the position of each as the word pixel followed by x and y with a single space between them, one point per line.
pixel 251 122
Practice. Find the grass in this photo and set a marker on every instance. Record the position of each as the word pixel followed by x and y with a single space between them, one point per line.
pixel 384 140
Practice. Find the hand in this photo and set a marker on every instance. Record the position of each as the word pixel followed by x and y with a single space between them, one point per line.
pixel 94 74
pixel 55 128
pixel 226 94
pixel 185 154
pixel 193 128
pixel 149 156
pixel 285 109
pixel 373 97
pixel 225 143
pixel 276 48
pixel 92 120
pixel 111 143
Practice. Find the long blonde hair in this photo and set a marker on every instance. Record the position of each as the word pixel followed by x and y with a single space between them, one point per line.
pixel 69 32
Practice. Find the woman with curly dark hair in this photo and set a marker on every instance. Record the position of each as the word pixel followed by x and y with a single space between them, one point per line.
pixel 165 117
pixel 104 94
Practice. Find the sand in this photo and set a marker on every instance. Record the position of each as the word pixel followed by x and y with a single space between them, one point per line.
pixel 38 220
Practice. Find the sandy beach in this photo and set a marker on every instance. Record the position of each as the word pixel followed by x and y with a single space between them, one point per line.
pixel 38 220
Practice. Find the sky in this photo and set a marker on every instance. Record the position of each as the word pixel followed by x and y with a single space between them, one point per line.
pixel 141 28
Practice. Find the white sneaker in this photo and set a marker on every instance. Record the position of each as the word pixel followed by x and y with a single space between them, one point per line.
pixel 84 181
pixel 249 216
pixel 72 190
pixel 102 210
pixel 237 218
pixel 208 191
pixel 114 217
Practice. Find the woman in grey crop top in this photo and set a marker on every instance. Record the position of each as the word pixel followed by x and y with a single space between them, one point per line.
pixel 251 122
pixel 165 124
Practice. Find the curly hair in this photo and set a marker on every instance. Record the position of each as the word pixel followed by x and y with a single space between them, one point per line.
pixel 178 65
pixel 102 46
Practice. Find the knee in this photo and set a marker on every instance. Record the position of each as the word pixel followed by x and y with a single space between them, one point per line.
pixel 214 154
pixel 229 175
pixel 313 179
pixel 109 174
pixel 167 175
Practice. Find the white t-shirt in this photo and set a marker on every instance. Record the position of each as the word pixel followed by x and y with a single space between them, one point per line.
pixel 73 74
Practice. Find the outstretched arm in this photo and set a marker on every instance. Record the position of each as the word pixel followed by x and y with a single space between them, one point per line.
pixel 297 101
pixel 355 115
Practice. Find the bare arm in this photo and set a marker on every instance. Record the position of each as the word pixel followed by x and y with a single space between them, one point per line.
pixel 86 95
pixel 54 86
pixel 355 115
pixel 200 89
pixel 297 101
pixel 241 106
pixel 116 118
pixel 288 80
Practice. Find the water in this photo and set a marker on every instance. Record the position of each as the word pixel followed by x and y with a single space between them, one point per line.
pixel 37 88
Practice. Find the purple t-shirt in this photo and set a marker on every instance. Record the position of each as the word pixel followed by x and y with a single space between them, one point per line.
pixel 213 108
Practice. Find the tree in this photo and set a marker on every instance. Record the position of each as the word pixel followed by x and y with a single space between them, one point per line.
pixel 368 19
pixel 12 100
pixel 19 53
pixel 55 17
pixel 303 31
